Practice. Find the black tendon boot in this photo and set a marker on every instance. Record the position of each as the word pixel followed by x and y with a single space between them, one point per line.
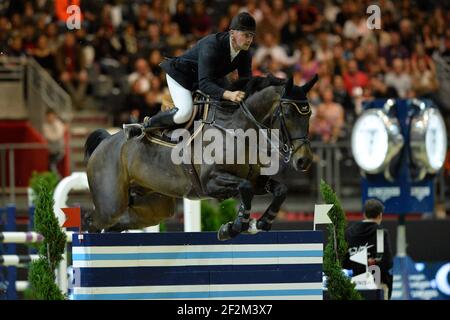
pixel 163 119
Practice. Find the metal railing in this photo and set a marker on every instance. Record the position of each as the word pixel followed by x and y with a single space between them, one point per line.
pixel 329 157
pixel 9 149
pixel 44 92
pixel 12 81
pixel 328 166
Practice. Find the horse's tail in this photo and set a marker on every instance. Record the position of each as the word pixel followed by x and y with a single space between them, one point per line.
pixel 93 140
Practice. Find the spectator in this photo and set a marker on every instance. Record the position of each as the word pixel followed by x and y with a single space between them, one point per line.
pixel 424 80
pixel 399 78
pixel 51 31
pixel 44 7
pixel 152 103
pixel 270 47
pixel 309 17
pixel 395 49
pixel 338 62
pixel 323 51
pixel 276 16
pixel 5 32
pixel 224 24
pixel 429 39
pixel 329 119
pixel 43 55
pixel 201 23
pixel 154 39
pixel 41 23
pixel 381 90
pixel 142 20
pixel 70 64
pixel 176 39
pixel 343 15
pixel 16 21
pixel 28 38
pixel 154 60
pixel 407 35
pixel 53 130
pixel 342 97
pixel 182 17
pixel 140 79
pixel 354 79
pixel 291 31
pixel 364 235
pixel 166 21
pixel 129 44
pixel 16 48
pixel 251 6
pixel 158 9
pixel 308 64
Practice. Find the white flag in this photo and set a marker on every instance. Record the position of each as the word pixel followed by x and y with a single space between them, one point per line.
pixel 321 214
pixel 360 257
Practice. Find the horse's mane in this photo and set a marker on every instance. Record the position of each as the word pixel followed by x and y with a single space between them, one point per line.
pixel 252 85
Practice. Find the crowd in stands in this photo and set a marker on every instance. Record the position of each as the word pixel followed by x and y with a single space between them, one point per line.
pixel 122 42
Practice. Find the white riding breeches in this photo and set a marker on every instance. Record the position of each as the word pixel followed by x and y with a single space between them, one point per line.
pixel 182 98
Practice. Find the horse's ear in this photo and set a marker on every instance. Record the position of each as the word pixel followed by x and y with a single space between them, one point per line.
pixel 289 85
pixel 307 86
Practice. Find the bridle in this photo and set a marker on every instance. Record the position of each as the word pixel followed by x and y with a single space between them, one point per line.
pixel 288 141
pixel 287 148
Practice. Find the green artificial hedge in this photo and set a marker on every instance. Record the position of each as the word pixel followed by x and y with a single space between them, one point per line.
pixel 338 284
pixel 42 271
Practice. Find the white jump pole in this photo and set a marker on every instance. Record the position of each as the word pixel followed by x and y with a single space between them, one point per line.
pixel 76 181
pixel 192 217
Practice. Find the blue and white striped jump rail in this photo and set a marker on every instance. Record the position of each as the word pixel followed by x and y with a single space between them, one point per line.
pixel 195 265
pixel 20 237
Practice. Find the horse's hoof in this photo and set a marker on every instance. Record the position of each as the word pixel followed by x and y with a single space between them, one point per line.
pixel 224 232
pixel 253 228
pixel 263 226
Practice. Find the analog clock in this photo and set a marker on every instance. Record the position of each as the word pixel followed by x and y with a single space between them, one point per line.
pixel 376 139
pixel 428 138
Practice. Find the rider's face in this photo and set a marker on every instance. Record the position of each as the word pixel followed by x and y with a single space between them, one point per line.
pixel 242 39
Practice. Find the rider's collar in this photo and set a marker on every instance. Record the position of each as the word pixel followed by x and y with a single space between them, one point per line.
pixel 233 53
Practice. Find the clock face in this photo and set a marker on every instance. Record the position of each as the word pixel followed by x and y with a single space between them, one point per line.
pixel 435 140
pixel 369 142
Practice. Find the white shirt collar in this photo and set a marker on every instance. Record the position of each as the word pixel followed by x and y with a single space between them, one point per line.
pixel 233 53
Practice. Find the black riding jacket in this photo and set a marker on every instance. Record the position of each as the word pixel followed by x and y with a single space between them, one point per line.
pixel 365 234
pixel 205 65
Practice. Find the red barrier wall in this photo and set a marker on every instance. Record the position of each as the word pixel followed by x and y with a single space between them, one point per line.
pixel 27 161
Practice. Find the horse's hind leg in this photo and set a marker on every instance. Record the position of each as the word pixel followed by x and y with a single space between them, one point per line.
pixel 110 196
pixel 145 211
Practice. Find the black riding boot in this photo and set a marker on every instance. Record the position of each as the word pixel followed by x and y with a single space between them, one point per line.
pixel 163 119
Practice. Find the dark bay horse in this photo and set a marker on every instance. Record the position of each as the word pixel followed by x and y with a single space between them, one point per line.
pixel 134 183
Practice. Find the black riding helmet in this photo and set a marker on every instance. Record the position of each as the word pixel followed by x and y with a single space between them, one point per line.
pixel 243 22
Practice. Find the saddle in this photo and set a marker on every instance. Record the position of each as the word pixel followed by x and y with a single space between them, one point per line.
pixel 199 113
pixel 204 111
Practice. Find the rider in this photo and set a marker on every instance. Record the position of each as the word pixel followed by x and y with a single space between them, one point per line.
pixel 204 67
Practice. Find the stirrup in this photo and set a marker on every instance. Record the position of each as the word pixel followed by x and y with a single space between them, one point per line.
pixel 128 127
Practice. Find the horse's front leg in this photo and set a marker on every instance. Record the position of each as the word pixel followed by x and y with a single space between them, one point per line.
pixel 242 221
pixel 224 182
pixel 279 192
